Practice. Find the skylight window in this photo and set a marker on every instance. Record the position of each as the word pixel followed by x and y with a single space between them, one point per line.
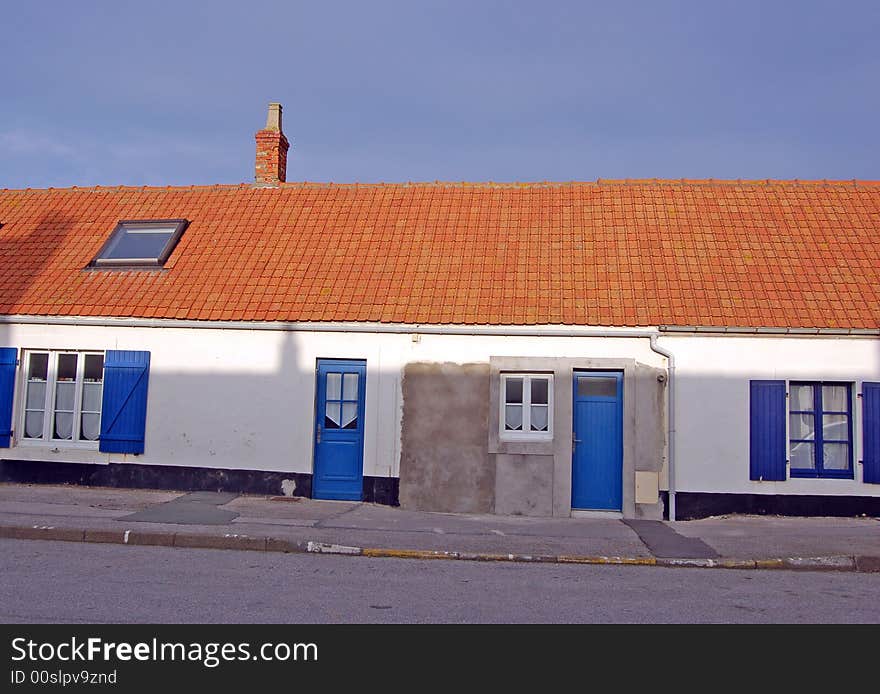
pixel 141 243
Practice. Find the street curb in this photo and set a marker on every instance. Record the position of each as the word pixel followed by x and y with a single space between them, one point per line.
pixel 857 563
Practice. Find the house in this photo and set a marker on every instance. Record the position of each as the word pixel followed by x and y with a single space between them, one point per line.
pixel 641 347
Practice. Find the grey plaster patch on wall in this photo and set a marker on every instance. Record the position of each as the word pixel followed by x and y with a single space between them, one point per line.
pixel 524 485
pixel 444 462
pixel 650 406
pixel 650 431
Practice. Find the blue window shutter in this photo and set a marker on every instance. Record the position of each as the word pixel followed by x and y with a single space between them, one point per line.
pixel 871 433
pixel 8 358
pixel 124 407
pixel 767 430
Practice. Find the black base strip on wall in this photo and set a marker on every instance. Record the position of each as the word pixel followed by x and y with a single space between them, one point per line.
pixel 378 490
pixel 694 505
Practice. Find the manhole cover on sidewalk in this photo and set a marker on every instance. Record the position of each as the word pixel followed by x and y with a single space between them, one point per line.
pixel 664 542
pixel 197 508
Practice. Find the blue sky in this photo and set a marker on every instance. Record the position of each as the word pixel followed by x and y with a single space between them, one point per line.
pixel 171 93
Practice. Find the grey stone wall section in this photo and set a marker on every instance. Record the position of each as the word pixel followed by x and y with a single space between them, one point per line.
pixel 523 485
pixel 644 440
pixel 650 403
pixel 650 430
pixel 444 461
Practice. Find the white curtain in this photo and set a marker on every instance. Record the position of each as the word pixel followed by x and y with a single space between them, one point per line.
pixel 33 425
pixel 835 456
pixel 91 427
pixel 539 417
pixel 801 398
pixel 350 387
pixel 334 386
pixel 834 398
pixel 63 425
pixel 65 394
pixel 513 417
pixel 36 395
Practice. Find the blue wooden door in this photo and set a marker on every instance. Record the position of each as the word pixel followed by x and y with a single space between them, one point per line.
pixel 597 441
pixel 339 430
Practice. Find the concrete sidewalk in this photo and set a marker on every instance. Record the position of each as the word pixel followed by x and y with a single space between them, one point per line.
pixel 227 521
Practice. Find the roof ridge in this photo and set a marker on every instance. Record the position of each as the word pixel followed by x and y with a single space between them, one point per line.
pixel 469 184
pixel 121 188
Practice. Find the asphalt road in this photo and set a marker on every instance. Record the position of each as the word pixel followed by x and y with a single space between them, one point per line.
pixel 78 582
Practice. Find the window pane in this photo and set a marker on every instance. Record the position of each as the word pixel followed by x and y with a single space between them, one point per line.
pixel 39 367
pixel 91 427
pixel 513 417
pixel 539 417
pixel 800 426
pixel 67 367
pixel 834 399
pixel 334 386
pixel 597 387
pixel 801 398
pixel 513 390
pixel 65 392
pixel 94 368
pixel 36 395
pixel 540 390
pixel 332 415
pixel 138 244
pixel 803 456
pixel 835 456
pixel 91 398
pixel 33 425
pixel 63 425
pixel 350 387
pixel 349 415
pixel 835 427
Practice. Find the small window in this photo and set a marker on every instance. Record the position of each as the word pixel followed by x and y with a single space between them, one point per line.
pixel 341 401
pixel 596 387
pixel 820 430
pixel 146 243
pixel 526 406
pixel 62 397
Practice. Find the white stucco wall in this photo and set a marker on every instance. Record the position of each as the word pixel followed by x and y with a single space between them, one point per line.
pixel 241 399
pixel 712 405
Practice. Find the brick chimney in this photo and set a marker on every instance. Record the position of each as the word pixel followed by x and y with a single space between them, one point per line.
pixel 271 164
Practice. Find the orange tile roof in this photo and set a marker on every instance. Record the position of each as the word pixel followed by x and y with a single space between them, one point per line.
pixel 609 253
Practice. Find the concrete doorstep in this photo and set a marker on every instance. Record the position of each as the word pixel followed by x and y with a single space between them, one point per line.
pixel 858 563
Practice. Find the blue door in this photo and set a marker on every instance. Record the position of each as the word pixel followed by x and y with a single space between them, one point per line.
pixel 597 441
pixel 339 430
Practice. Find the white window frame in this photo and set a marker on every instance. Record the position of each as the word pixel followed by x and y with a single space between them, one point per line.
pixel 526 434
pixel 49 402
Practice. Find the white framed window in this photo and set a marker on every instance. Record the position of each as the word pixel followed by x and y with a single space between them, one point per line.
pixel 61 402
pixel 526 406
